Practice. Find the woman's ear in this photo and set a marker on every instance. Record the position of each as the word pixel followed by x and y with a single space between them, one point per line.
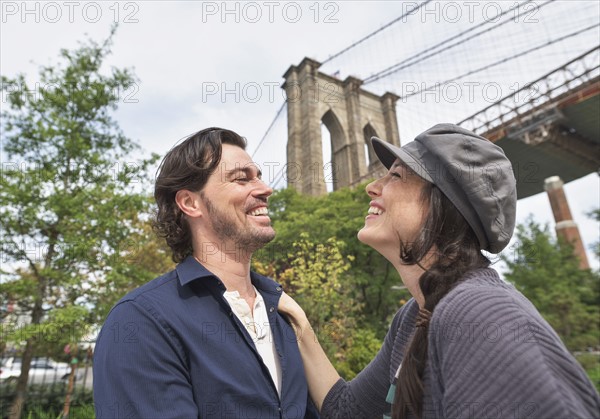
pixel 189 203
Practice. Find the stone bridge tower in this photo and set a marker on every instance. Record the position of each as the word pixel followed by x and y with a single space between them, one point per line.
pixel 352 116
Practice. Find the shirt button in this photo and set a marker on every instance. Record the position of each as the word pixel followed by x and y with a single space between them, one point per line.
pixel 278 289
pixel 272 309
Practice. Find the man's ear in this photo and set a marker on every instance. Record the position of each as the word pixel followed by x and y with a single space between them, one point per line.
pixel 189 203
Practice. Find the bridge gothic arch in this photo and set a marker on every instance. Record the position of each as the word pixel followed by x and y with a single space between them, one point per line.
pixel 370 156
pixel 349 112
pixel 338 141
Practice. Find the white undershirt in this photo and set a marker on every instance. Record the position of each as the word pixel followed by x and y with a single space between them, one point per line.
pixel 259 329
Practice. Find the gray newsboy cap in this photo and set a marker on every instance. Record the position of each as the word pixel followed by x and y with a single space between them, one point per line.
pixel 471 171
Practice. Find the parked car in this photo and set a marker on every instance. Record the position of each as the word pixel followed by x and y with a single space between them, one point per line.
pixel 41 371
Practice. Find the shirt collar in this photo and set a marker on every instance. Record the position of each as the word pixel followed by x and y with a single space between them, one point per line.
pixel 190 270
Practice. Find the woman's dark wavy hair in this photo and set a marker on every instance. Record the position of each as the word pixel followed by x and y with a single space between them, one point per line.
pixel 457 252
pixel 187 166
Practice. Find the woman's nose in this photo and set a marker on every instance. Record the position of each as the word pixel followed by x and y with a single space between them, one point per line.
pixel 373 189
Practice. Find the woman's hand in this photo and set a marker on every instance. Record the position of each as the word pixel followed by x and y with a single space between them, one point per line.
pixel 292 310
pixel 320 374
pixel 289 306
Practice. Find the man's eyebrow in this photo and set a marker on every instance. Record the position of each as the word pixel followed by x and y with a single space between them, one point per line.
pixel 247 170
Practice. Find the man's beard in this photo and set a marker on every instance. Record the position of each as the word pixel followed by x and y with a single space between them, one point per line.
pixel 226 228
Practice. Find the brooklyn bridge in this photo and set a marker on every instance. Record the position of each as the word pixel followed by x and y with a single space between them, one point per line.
pixel 505 75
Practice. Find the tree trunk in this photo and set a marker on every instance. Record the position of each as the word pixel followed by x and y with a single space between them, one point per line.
pixel 16 408
pixel 67 405
pixel 17 405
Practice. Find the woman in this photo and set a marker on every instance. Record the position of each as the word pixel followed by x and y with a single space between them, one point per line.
pixel 467 344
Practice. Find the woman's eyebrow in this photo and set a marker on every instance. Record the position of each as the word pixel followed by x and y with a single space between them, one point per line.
pixel 397 163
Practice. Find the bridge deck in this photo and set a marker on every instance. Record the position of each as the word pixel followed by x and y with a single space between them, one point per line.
pixel 568 144
pixel 556 132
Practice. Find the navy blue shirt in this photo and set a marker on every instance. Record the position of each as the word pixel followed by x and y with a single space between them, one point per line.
pixel 174 349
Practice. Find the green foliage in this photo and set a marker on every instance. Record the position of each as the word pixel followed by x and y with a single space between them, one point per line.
pixel 71 197
pixel 85 411
pixel 60 326
pixel 68 200
pixel 545 270
pixel 595 215
pixel 344 286
pixel 361 348
pixel 315 278
pixel 339 214
pixel 47 401
pixel 143 256
pixel 591 364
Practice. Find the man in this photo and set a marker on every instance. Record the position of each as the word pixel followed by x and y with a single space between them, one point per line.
pixel 204 340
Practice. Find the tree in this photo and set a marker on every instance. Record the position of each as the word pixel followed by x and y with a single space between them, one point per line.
pixel 314 234
pixel 595 215
pixel 339 215
pixel 315 277
pixel 546 271
pixel 68 195
pixel 143 257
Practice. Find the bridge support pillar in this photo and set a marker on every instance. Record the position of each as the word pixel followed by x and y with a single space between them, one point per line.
pixel 565 226
pixel 351 115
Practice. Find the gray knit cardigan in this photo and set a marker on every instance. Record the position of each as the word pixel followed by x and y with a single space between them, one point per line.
pixel 491 355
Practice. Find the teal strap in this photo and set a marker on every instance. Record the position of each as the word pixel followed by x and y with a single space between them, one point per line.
pixel 390 399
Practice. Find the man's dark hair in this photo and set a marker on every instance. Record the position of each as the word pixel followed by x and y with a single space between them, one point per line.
pixel 187 166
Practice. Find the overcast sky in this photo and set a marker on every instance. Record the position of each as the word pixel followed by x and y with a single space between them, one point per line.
pixel 204 64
